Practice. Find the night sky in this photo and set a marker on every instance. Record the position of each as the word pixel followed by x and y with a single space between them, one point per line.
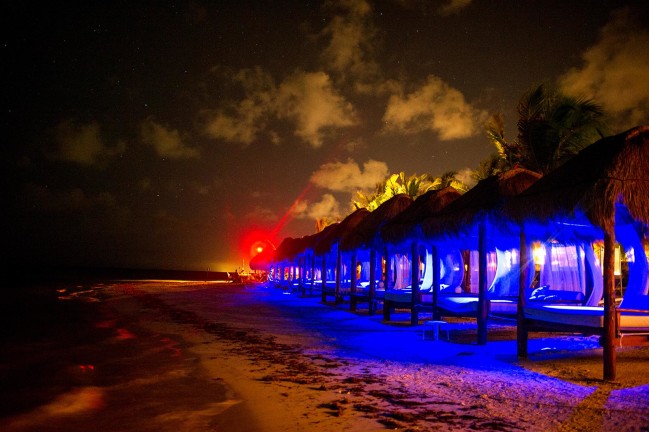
pixel 175 136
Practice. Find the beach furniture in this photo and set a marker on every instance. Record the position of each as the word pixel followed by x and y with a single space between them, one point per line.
pixel 600 194
pixel 341 271
pixel 475 222
pixel 366 241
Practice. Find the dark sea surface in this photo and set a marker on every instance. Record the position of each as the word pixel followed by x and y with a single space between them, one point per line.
pixel 40 325
pixel 62 338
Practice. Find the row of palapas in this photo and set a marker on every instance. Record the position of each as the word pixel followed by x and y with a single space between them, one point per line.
pixel 605 185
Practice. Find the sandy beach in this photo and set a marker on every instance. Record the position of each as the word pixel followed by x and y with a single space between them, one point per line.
pixel 194 356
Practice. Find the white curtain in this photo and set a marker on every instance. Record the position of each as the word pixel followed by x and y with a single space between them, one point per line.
pixel 492 265
pixel 563 268
pixel 427 281
pixel 505 281
pixel 401 271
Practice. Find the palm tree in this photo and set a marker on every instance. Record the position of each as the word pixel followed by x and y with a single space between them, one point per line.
pixel 493 165
pixel 449 178
pixel 413 186
pixel 323 222
pixel 552 127
pixel 395 184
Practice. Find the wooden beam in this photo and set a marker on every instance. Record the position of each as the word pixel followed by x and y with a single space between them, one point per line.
pixel 388 269
pixel 372 295
pixel 633 340
pixel 436 277
pixel 521 329
pixel 324 278
pixel 352 282
pixel 339 266
pixel 312 256
pixel 482 283
pixel 609 336
pixel 414 282
pixel 303 259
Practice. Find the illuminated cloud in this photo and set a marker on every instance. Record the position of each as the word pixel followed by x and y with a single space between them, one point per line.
pixel 261 214
pixel 82 144
pixel 244 120
pixel 308 100
pixel 435 106
pixel 242 127
pixel 167 143
pixel 615 70
pixel 453 7
pixel 349 53
pixel 465 175
pixel 327 207
pixel 348 176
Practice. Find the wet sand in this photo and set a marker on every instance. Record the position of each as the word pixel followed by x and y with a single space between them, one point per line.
pixel 139 356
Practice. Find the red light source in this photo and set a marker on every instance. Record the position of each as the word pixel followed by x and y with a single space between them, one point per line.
pixel 254 242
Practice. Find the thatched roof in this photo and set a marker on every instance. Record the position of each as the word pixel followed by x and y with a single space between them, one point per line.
pixel 286 248
pixel 368 230
pixel 405 225
pixel 340 230
pixel 612 170
pixel 263 260
pixel 316 238
pixel 484 200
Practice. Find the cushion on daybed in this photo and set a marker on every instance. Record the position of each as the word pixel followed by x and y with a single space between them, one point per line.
pixel 545 294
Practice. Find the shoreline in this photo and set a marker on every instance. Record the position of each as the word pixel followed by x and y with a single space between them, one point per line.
pixel 287 363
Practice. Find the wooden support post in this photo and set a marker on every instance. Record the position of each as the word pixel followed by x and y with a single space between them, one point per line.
pixel 388 276
pixel 521 328
pixel 352 282
pixel 436 277
pixel 609 305
pixel 482 284
pixel 414 283
pixel 312 256
pixel 388 270
pixel 324 278
pixel 282 279
pixel 372 289
pixel 339 267
pixel 303 275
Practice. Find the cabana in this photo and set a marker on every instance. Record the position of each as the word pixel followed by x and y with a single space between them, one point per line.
pixel 602 192
pixel 315 263
pixel 322 256
pixel 285 267
pixel 329 245
pixel 403 231
pixel 474 221
pixel 263 261
pixel 310 271
pixel 366 240
pixel 302 259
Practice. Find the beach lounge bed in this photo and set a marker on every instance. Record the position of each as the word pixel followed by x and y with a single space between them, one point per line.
pixel 631 321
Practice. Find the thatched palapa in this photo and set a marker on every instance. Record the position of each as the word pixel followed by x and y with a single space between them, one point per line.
pixel 483 202
pixel 339 230
pixel 285 250
pixel 614 169
pixel 367 233
pixel 320 237
pixel 263 260
pixel 405 225
pixel 608 178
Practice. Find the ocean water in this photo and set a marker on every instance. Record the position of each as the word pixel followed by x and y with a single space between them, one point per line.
pixel 69 360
